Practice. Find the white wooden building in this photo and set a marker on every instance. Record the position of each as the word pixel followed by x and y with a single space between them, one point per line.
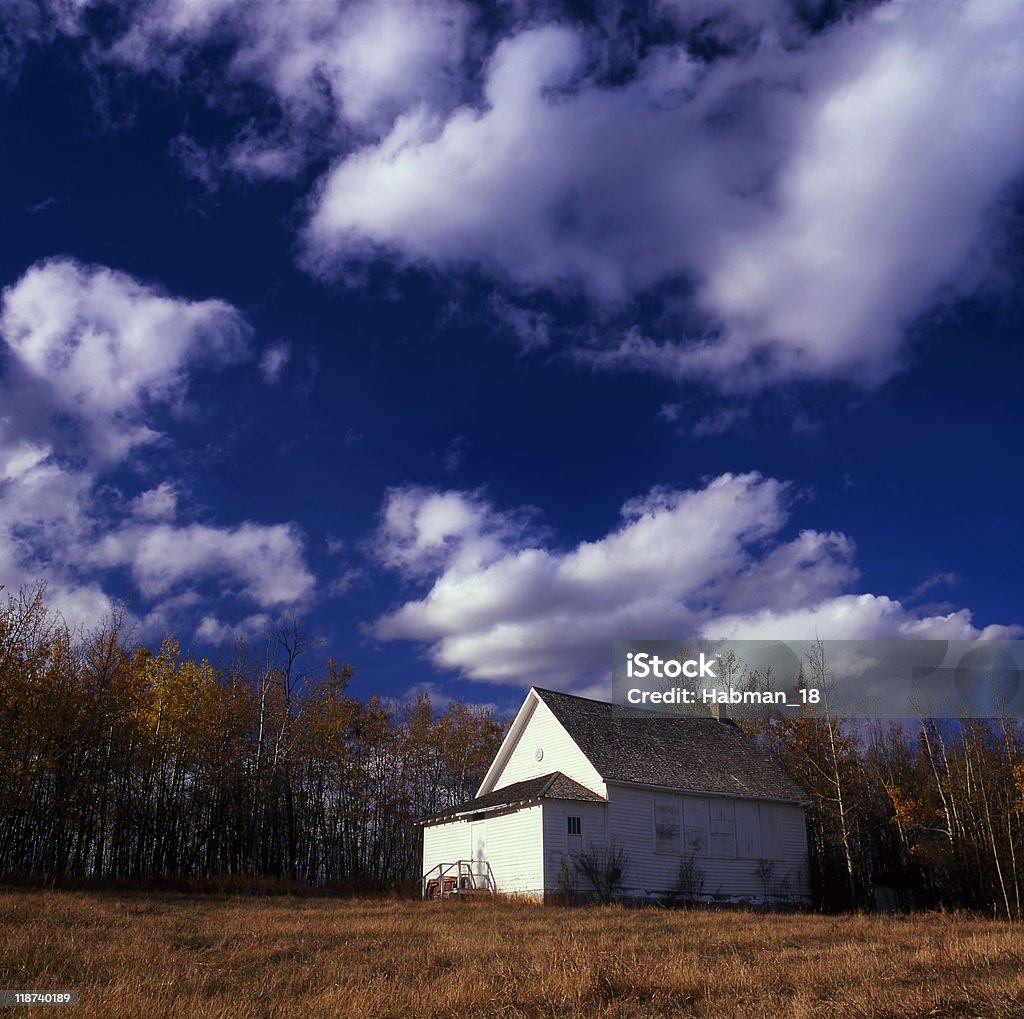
pixel 577 778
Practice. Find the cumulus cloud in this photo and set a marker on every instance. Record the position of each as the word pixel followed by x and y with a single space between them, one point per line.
pixel 216 631
pixel 499 186
pixel 265 562
pixel 817 196
pixel 90 356
pixel 423 530
pixel 813 181
pixel 909 137
pixel 45 506
pixel 100 348
pixel 858 617
pixel 158 503
pixel 332 69
pixel 712 562
pixel 49 513
pixel 57 522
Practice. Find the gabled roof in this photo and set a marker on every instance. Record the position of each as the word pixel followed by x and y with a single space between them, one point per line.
pixel 671 751
pixel 555 786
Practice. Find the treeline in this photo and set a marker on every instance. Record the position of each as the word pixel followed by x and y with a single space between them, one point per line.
pixel 908 815
pixel 120 761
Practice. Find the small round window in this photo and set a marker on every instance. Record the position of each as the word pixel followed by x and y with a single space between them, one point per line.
pixel 540 754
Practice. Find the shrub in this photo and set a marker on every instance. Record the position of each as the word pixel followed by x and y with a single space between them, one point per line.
pixel 604 869
pixel 689 883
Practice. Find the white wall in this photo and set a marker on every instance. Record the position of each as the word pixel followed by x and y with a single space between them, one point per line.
pixel 727 840
pixel 544 732
pixel 559 846
pixel 512 843
pixel 445 843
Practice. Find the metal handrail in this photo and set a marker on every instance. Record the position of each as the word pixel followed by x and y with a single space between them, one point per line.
pixel 469 877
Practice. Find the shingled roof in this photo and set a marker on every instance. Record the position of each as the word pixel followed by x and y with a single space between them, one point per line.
pixel 555 786
pixel 672 751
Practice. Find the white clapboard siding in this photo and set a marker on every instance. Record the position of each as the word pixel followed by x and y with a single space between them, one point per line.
pixel 631 829
pixel 512 844
pixel 445 843
pixel 560 846
pixel 743 848
pixel 543 732
pixel 794 873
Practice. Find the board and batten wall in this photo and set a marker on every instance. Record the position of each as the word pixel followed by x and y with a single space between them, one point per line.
pixel 744 849
pixel 511 842
pixel 544 732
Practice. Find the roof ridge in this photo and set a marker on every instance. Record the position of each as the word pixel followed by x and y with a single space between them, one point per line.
pixel 574 696
pixel 550 782
pixel 638 712
pixel 528 789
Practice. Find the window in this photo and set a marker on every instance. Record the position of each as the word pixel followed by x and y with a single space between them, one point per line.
pixel 748 831
pixel 723 829
pixel 695 826
pixel 666 824
pixel 575 825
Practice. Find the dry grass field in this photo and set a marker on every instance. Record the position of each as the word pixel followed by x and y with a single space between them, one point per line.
pixel 155 955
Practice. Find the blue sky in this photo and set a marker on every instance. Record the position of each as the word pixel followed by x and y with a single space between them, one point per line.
pixel 478 336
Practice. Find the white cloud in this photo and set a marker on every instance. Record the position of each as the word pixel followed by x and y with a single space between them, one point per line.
pixel 273 362
pixel 495 186
pixel 812 191
pixel 709 562
pixel 946 579
pixel 100 347
pixel 44 504
pixel 720 421
pixel 913 131
pixel 158 503
pixel 90 355
pixel 216 631
pixel 332 64
pixel 423 530
pixel 819 195
pixel 59 524
pixel 532 329
pixel 856 617
pixel 263 563
pixel 46 519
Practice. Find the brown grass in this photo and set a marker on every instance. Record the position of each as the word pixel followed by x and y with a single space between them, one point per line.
pixel 165 954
